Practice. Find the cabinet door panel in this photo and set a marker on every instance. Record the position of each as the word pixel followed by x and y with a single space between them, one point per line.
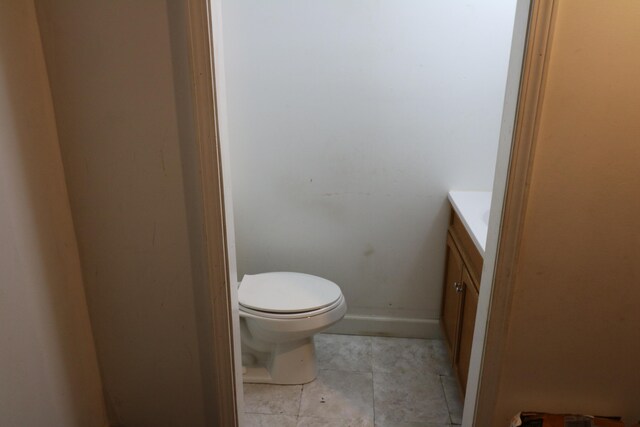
pixel 452 300
pixel 469 304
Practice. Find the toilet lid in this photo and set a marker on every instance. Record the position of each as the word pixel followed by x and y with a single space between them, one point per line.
pixel 285 292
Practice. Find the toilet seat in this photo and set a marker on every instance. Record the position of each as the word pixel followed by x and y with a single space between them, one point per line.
pixel 287 294
pixel 296 315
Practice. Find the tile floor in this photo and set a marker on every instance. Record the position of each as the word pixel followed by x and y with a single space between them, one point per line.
pixel 364 382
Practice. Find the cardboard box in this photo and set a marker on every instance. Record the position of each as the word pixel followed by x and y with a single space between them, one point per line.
pixel 538 419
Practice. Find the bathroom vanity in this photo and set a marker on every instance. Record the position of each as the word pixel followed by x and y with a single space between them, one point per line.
pixel 466 240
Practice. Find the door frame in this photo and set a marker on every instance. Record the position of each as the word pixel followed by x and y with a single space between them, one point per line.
pixel 217 213
pixel 524 93
pixel 533 33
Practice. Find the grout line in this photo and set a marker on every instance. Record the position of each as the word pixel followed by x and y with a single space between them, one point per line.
pixel 370 343
pixel 300 401
pixel 373 393
pixel 373 372
pixel 373 389
pixel 446 399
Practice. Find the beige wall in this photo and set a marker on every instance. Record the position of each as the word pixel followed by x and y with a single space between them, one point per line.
pixel 48 368
pixel 119 77
pixel 574 330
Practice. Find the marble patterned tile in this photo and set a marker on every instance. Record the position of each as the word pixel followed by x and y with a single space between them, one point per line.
pixel 409 398
pixel 409 424
pixel 454 398
pixel 343 352
pixel 272 399
pixel 406 355
pixel 327 422
pixel 269 420
pixel 338 395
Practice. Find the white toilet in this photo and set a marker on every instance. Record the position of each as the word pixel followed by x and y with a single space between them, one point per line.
pixel 279 315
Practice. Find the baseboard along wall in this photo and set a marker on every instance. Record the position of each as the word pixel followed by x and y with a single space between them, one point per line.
pixel 387 326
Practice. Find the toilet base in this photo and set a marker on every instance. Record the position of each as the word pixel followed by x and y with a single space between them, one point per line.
pixel 290 363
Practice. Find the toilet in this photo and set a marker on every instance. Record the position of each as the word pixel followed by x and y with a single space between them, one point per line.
pixel 279 315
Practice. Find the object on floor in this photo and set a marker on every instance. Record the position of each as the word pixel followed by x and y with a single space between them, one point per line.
pixel 539 419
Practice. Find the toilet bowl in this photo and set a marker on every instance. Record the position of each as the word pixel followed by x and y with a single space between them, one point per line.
pixel 279 315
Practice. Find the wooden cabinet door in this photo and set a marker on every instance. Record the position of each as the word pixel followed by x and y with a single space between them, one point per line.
pixel 467 322
pixel 452 300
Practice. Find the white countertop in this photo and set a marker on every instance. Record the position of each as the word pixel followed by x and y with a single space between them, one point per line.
pixel 473 209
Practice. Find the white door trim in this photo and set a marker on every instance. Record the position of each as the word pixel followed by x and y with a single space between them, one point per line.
pixel 524 95
pixel 226 380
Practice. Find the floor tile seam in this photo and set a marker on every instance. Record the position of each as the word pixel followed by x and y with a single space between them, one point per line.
pixel 332 418
pixel 446 400
pixel 373 394
pixel 443 397
pixel 310 417
pixel 300 398
pixel 270 413
pixel 414 372
pixel 417 420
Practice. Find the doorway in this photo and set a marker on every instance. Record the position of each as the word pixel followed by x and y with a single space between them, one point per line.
pixel 512 92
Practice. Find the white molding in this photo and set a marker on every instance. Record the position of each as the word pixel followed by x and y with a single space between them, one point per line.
pixel 387 326
pixel 516 150
pixel 223 141
pixel 223 404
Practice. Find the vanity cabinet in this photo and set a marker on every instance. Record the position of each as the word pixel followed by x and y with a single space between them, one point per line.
pixel 460 296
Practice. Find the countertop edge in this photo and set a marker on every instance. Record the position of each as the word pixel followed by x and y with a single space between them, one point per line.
pixel 466 209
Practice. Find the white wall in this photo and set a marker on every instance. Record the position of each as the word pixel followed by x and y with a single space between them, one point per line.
pixel 48 367
pixel 349 120
pixel 120 81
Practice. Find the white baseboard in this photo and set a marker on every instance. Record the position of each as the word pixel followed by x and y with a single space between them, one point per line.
pixel 387 326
